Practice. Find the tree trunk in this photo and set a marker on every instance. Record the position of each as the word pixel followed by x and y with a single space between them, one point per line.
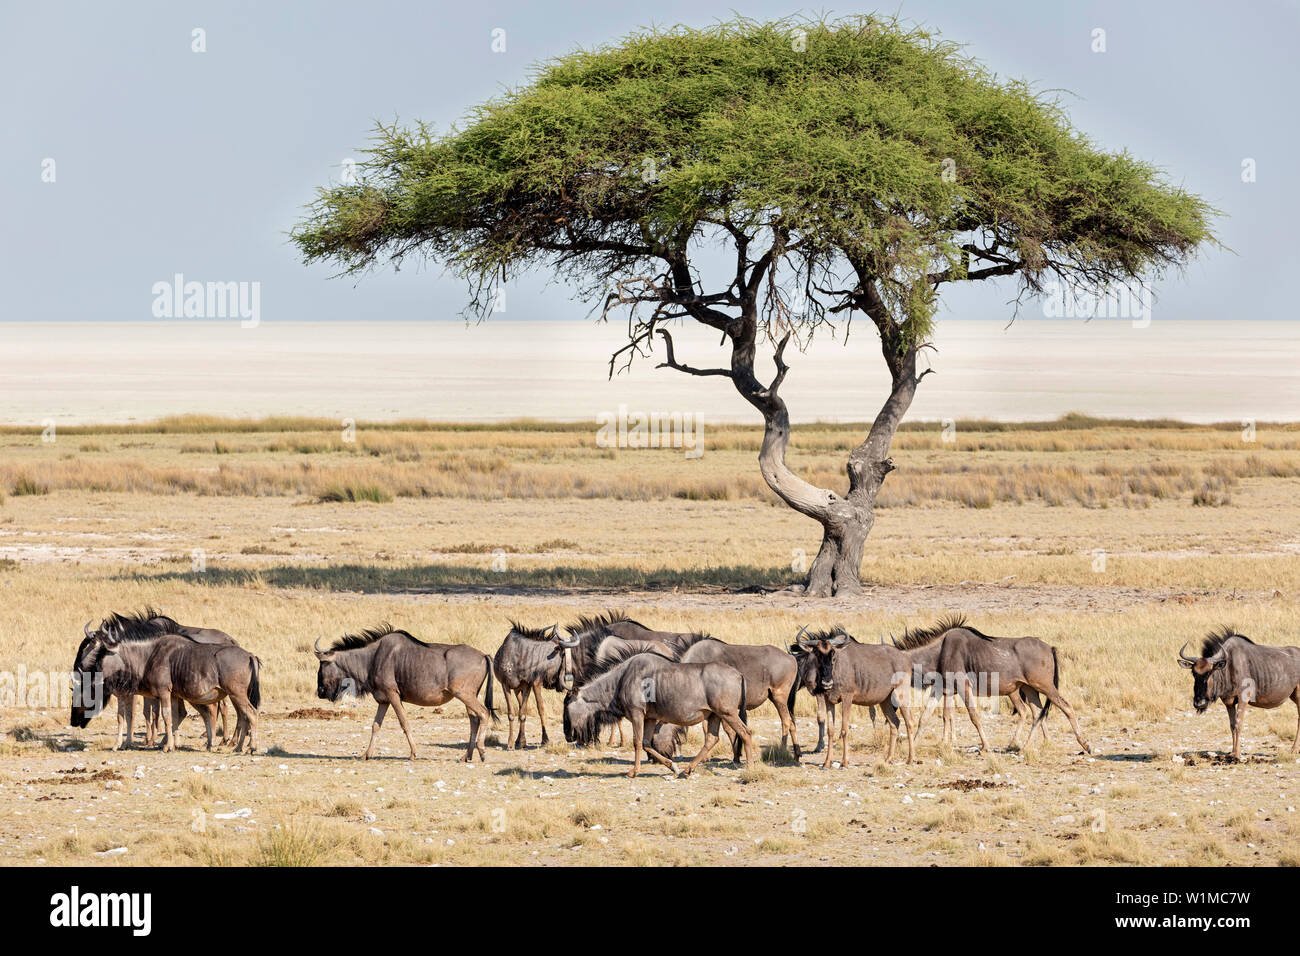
pixel 846 522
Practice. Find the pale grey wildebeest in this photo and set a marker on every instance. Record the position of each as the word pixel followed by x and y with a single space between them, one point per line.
pixel 770 674
pixel 975 664
pixel 579 649
pixel 923 646
pixel 527 662
pixel 651 691
pixel 395 668
pixel 203 675
pixel 850 672
pixel 134 637
pixel 1234 669
pixel 162 624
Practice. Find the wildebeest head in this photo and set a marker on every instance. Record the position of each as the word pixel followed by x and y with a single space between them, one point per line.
pixel 822 647
pixel 584 719
pixel 564 646
pixel 1209 679
pixel 87 673
pixel 331 681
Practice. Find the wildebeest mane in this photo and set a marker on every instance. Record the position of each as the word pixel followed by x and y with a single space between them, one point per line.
pixel 829 634
pixel 531 633
pixel 143 625
pixel 1214 641
pixel 923 636
pixel 616 657
pixel 368 636
pixel 586 626
pixel 684 642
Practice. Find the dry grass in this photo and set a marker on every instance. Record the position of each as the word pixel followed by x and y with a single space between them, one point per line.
pixel 1085 533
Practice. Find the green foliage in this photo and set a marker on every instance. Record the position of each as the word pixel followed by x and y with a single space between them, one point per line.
pixel 869 149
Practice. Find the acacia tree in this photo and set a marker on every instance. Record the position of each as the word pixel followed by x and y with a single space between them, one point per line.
pixel 846 167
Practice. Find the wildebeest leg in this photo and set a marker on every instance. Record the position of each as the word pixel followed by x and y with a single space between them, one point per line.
pixel 778 699
pixel 1054 695
pixel 737 727
pixel 208 720
pixel 479 720
pixel 1295 744
pixel 972 710
pixel 225 722
pixel 512 701
pixel 948 704
pixel 1238 715
pixel 906 708
pixel 821 724
pixel 374 728
pixel 246 722
pixel 891 726
pixel 125 710
pixel 1024 712
pixel 844 732
pixel 710 741
pixel 541 717
pixel 165 709
pixel 396 704
pixel 149 713
pixel 521 740
pixel 638 741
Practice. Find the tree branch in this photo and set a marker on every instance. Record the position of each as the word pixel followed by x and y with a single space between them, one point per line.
pixel 689 370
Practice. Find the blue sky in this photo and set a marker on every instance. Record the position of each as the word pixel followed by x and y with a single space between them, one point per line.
pixel 170 161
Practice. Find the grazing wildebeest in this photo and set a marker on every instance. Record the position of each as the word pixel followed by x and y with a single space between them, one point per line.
pixel 770 674
pixel 976 664
pixel 1234 669
pixel 578 651
pixel 134 635
pixel 923 646
pixel 203 674
pixel 527 662
pixel 397 668
pixel 649 691
pixel 849 672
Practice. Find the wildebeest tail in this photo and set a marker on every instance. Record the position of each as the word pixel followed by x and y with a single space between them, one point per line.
pixel 1056 683
pixel 789 701
pixel 736 742
pixel 255 683
pixel 487 698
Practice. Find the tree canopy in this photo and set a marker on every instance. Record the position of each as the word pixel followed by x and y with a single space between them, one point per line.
pixel 862 142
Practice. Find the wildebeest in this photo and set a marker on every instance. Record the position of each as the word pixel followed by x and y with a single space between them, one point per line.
pixel 977 665
pixel 397 668
pixel 850 672
pixel 1234 669
pixel 203 674
pixel 649 691
pixel 770 674
pixel 527 661
pixel 578 650
pixel 135 636
pixel 160 624
pixel 806 679
pixel 923 646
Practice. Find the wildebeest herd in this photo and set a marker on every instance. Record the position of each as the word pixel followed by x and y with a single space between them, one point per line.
pixel 612 669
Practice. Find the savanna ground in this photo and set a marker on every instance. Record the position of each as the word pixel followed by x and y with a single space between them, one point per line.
pixel 1115 541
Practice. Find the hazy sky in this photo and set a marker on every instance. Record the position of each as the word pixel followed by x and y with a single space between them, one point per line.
pixel 171 161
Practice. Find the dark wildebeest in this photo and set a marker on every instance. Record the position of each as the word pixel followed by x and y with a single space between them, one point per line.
pixel 134 635
pixel 649 691
pixel 1234 669
pixel 396 668
pixel 770 674
pixel 923 647
pixel 850 672
pixel 976 664
pixel 527 661
pixel 203 674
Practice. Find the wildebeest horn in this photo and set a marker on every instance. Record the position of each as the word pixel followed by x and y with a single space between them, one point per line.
pixel 1184 657
pixel 571 642
pixel 86 629
pixel 111 636
pixel 839 629
pixel 799 637
pixel 316 646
